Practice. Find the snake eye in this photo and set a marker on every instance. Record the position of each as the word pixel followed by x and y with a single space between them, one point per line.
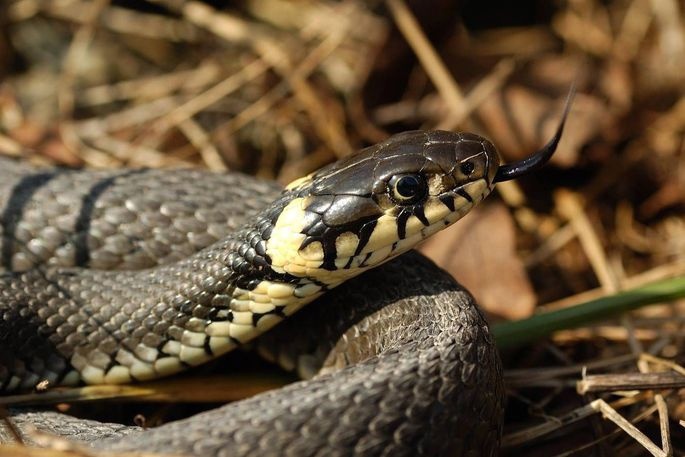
pixel 467 168
pixel 407 189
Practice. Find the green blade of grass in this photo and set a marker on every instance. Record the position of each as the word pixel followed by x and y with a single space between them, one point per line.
pixel 512 334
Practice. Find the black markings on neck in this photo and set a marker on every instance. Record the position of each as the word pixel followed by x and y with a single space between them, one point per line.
pixel 421 215
pixel 112 363
pixel 401 222
pixel 206 346
pixel 235 341
pixel 465 194
pixel 448 201
pixel 366 258
pixel 330 253
pixel 323 285
pixel 214 315
pixel 327 236
pixel 277 311
pixel 365 234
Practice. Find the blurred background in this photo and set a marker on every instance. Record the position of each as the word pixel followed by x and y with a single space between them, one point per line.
pixel 278 88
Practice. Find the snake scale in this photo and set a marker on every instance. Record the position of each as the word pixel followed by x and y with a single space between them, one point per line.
pixel 124 276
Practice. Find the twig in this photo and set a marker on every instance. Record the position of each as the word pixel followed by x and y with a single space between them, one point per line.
pixel 613 333
pixel 662 409
pixel 570 207
pixel 129 117
pixel 485 87
pixel 271 97
pixel 521 378
pixel 610 413
pixel 630 381
pixel 663 362
pixel 76 55
pixel 202 141
pixel 131 153
pixel 664 424
pixel 430 61
pixel 605 436
pixel 530 433
pixel 152 86
pixel 551 245
pixel 65 92
pixel 210 96
pixel 116 19
pixel 234 29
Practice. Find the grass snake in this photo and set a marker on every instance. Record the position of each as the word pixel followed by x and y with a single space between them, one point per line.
pixel 129 275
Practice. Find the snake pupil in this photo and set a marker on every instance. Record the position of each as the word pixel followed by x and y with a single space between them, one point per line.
pixel 407 189
pixel 467 168
pixel 407 186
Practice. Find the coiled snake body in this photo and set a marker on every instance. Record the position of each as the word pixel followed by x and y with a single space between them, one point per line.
pixel 405 362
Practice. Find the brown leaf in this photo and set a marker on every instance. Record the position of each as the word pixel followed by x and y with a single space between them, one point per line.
pixel 479 252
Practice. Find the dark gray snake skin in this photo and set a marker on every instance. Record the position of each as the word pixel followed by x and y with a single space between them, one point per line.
pixel 409 368
pixel 122 220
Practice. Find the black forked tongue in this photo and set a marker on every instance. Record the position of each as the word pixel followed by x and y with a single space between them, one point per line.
pixel 537 160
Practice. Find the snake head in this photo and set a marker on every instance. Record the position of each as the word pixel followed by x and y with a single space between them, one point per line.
pixel 370 207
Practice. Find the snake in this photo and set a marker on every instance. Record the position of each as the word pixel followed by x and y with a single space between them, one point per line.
pixel 112 277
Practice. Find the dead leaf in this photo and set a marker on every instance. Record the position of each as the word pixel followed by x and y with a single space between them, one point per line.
pixel 479 252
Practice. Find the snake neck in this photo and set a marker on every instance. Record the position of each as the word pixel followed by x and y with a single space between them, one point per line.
pixel 118 327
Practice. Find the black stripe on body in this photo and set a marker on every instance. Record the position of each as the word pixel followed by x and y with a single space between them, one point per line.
pixel 277 311
pixel 19 198
pixel 85 217
pixel 112 363
pixel 207 347
pixel 63 374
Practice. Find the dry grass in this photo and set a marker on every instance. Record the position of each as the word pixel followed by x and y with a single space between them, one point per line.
pixel 277 90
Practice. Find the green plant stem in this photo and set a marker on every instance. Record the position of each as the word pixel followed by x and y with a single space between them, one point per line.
pixel 512 334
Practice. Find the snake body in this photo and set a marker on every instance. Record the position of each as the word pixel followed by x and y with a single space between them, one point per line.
pixel 409 366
